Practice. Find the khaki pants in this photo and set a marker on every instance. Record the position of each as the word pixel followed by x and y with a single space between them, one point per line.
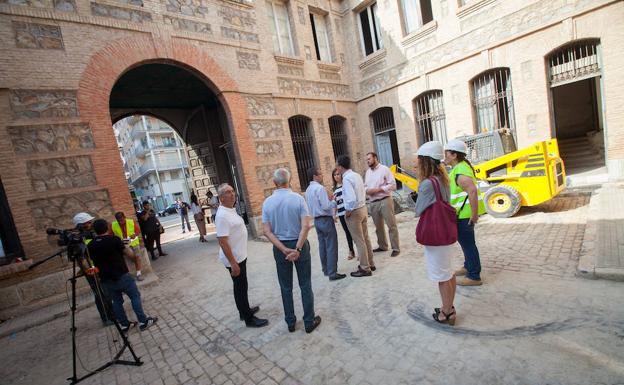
pixel 383 211
pixel 357 224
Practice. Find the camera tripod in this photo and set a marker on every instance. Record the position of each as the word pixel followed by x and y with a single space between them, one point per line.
pixel 74 379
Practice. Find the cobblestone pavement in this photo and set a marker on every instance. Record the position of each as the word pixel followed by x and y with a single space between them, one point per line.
pixel 532 322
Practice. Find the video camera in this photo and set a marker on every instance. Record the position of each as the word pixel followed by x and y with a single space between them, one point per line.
pixel 73 239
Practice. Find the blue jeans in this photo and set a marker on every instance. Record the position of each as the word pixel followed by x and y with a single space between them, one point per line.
pixel 466 239
pixel 304 275
pixel 328 244
pixel 116 289
pixel 184 217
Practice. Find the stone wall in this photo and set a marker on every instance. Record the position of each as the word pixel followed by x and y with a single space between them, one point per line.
pixel 30 104
pixel 50 138
pixel 58 211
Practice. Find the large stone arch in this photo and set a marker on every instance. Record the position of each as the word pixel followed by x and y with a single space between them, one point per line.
pixel 102 72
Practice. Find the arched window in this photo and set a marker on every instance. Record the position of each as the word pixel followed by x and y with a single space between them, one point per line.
pixel 338 133
pixel 492 100
pixel 303 146
pixel 430 118
pixel 573 62
pixel 384 131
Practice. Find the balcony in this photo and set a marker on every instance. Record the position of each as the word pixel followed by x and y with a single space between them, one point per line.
pixel 141 151
pixel 139 131
pixel 149 167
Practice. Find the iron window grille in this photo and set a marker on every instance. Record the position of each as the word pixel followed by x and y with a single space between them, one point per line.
pixel 430 116
pixel 303 147
pixel 338 135
pixel 492 100
pixel 383 120
pixel 574 62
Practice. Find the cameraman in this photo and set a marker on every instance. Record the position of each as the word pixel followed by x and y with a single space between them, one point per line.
pixel 151 228
pixel 107 254
pixel 83 221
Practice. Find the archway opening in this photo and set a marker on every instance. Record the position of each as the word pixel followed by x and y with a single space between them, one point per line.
pixel 190 105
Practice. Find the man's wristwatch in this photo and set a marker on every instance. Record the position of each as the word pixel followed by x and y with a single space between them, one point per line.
pixel 299 249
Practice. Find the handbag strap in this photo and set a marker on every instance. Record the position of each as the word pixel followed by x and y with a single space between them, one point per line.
pixel 436 188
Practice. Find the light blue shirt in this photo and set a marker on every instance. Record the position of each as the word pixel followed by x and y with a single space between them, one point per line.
pixel 283 211
pixel 353 192
pixel 318 201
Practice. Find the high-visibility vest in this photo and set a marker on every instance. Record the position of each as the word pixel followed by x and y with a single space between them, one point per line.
pixel 129 231
pixel 459 196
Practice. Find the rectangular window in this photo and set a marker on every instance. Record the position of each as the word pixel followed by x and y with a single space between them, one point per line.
pixel 369 30
pixel 280 28
pixel 416 13
pixel 321 37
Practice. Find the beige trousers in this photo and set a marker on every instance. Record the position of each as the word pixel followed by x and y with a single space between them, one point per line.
pixel 357 224
pixel 383 211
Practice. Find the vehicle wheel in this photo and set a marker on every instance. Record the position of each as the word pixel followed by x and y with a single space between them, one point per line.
pixel 502 201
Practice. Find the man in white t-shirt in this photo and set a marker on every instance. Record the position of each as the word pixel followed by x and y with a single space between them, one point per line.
pixel 232 236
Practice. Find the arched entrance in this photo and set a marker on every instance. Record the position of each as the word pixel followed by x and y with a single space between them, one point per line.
pixel 178 95
pixel 214 101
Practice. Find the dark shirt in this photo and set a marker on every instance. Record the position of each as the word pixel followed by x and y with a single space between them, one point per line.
pixel 151 225
pixel 183 207
pixel 107 255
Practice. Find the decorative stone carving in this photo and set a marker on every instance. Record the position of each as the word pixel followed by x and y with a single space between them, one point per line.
pixel 266 129
pixel 320 123
pixel 42 36
pixel 43 103
pixel 329 75
pixel 197 8
pixel 120 13
pixel 188 25
pixel 237 17
pixel 61 173
pixel 289 70
pixel 235 34
pixel 65 5
pixel 259 105
pixel 265 173
pixel 308 52
pixel 270 149
pixel 59 5
pixel 310 88
pixel 58 211
pixel 50 138
pixel 138 3
pixel 301 13
pixel 248 60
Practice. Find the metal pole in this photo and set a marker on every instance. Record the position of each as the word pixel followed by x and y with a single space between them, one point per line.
pixel 155 163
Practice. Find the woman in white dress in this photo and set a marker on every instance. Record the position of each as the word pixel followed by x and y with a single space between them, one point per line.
pixel 438 258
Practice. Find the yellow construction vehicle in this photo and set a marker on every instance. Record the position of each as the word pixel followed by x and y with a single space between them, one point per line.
pixel 526 177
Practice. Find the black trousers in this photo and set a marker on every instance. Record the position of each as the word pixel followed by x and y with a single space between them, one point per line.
pixel 240 291
pixel 150 238
pixel 343 222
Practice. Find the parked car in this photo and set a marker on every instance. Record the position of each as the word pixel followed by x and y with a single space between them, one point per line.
pixel 171 209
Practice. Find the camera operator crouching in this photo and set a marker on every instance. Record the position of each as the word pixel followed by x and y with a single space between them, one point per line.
pixel 107 253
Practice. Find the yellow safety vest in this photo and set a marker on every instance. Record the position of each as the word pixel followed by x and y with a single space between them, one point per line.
pixel 129 230
pixel 459 198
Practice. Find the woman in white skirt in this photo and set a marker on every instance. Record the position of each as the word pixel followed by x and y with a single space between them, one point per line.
pixel 438 258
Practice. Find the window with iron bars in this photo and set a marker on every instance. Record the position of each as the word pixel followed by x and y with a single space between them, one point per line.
pixel 303 147
pixel 574 62
pixel 492 100
pixel 338 133
pixel 430 117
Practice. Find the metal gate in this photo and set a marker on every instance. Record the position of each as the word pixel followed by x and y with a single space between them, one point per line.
pixel 430 116
pixel 574 62
pixel 303 146
pixel 338 135
pixel 385 136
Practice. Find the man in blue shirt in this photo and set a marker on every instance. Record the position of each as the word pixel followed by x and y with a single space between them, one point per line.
pixel 354 197
pixel 322 210
pixel 286 223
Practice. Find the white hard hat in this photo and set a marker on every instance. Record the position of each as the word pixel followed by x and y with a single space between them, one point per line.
pixel 457 146
pixel 81 218
pixel 431 149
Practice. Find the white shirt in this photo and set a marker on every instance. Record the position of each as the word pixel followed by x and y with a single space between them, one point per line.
pixel 230 224
pixel 353 192
pixel 380 177
pixel 195 209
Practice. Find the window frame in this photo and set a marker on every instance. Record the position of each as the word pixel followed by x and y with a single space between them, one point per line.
pixel 373 20
pixel 276 28
pixel 419 19
pixel 314 17
pixel 497 94
pixel 432 117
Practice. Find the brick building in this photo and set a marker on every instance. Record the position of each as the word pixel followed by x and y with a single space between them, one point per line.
pixel 253 85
